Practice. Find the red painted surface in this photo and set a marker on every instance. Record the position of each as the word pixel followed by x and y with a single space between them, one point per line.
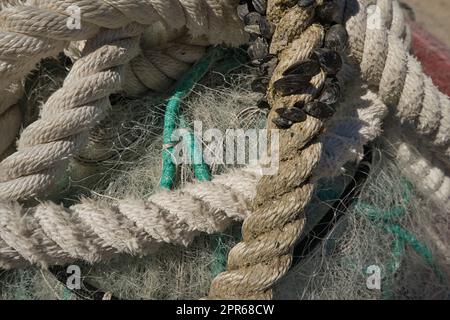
pixel 434 56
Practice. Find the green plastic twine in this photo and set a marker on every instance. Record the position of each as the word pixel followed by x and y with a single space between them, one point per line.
pixel 388 221
pixel 201 169
pixel 220 255
pixel 182 89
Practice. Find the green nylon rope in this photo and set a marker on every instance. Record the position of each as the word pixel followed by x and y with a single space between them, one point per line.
pixel 388 221
pixel 201 169
pixel 230 60
pixel 171 118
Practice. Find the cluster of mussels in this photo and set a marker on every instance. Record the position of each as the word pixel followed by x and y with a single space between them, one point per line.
pixel 297 78
pixel 253 12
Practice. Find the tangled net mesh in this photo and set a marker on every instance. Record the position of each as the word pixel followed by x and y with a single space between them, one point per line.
pixel 129 144
pixel 338 269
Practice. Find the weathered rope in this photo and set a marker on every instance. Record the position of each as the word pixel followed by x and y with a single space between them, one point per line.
pixel 395 74
pixel 269 234
pixel 42 156
pixel 95 230
pixel 264 256
pixel 357 122
pixel 427 173
pixel 419 113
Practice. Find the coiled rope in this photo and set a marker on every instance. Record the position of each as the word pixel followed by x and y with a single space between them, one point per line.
pixel 38 30
pixel 396 75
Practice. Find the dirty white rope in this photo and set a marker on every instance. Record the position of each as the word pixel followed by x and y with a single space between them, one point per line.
pixel 426 172
pixel 45 146
pixel 38 29
pixel 95 230
pixel 41 248
pixel 395 74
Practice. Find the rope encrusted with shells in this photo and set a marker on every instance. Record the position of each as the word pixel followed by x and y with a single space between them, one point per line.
pixel 303 92
pixel 298 76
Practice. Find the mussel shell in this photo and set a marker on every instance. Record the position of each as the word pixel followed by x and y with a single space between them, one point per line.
pixel 294 115
pixel 308 68
pixel 329 12
pixel 268 65
pixel 260 6
pixel 252 18
pixel 292 84
pixel 254 30
pixel 282 123
pixel 299 105
pixel 263 104
pixel 331 92
pixel 259 49
pixel 242 11
pixel 336 38
pixel 305 3
pixel 319 110
pixel 260 84
pixel 330 60
pixel 267 29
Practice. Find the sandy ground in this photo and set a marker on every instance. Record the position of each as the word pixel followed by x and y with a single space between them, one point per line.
pixel 433 15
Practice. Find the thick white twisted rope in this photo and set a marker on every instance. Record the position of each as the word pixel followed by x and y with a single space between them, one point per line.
pixel 376 30
pixel 426 172
pixel 45 146
pixel 38 29
pixel 95 230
